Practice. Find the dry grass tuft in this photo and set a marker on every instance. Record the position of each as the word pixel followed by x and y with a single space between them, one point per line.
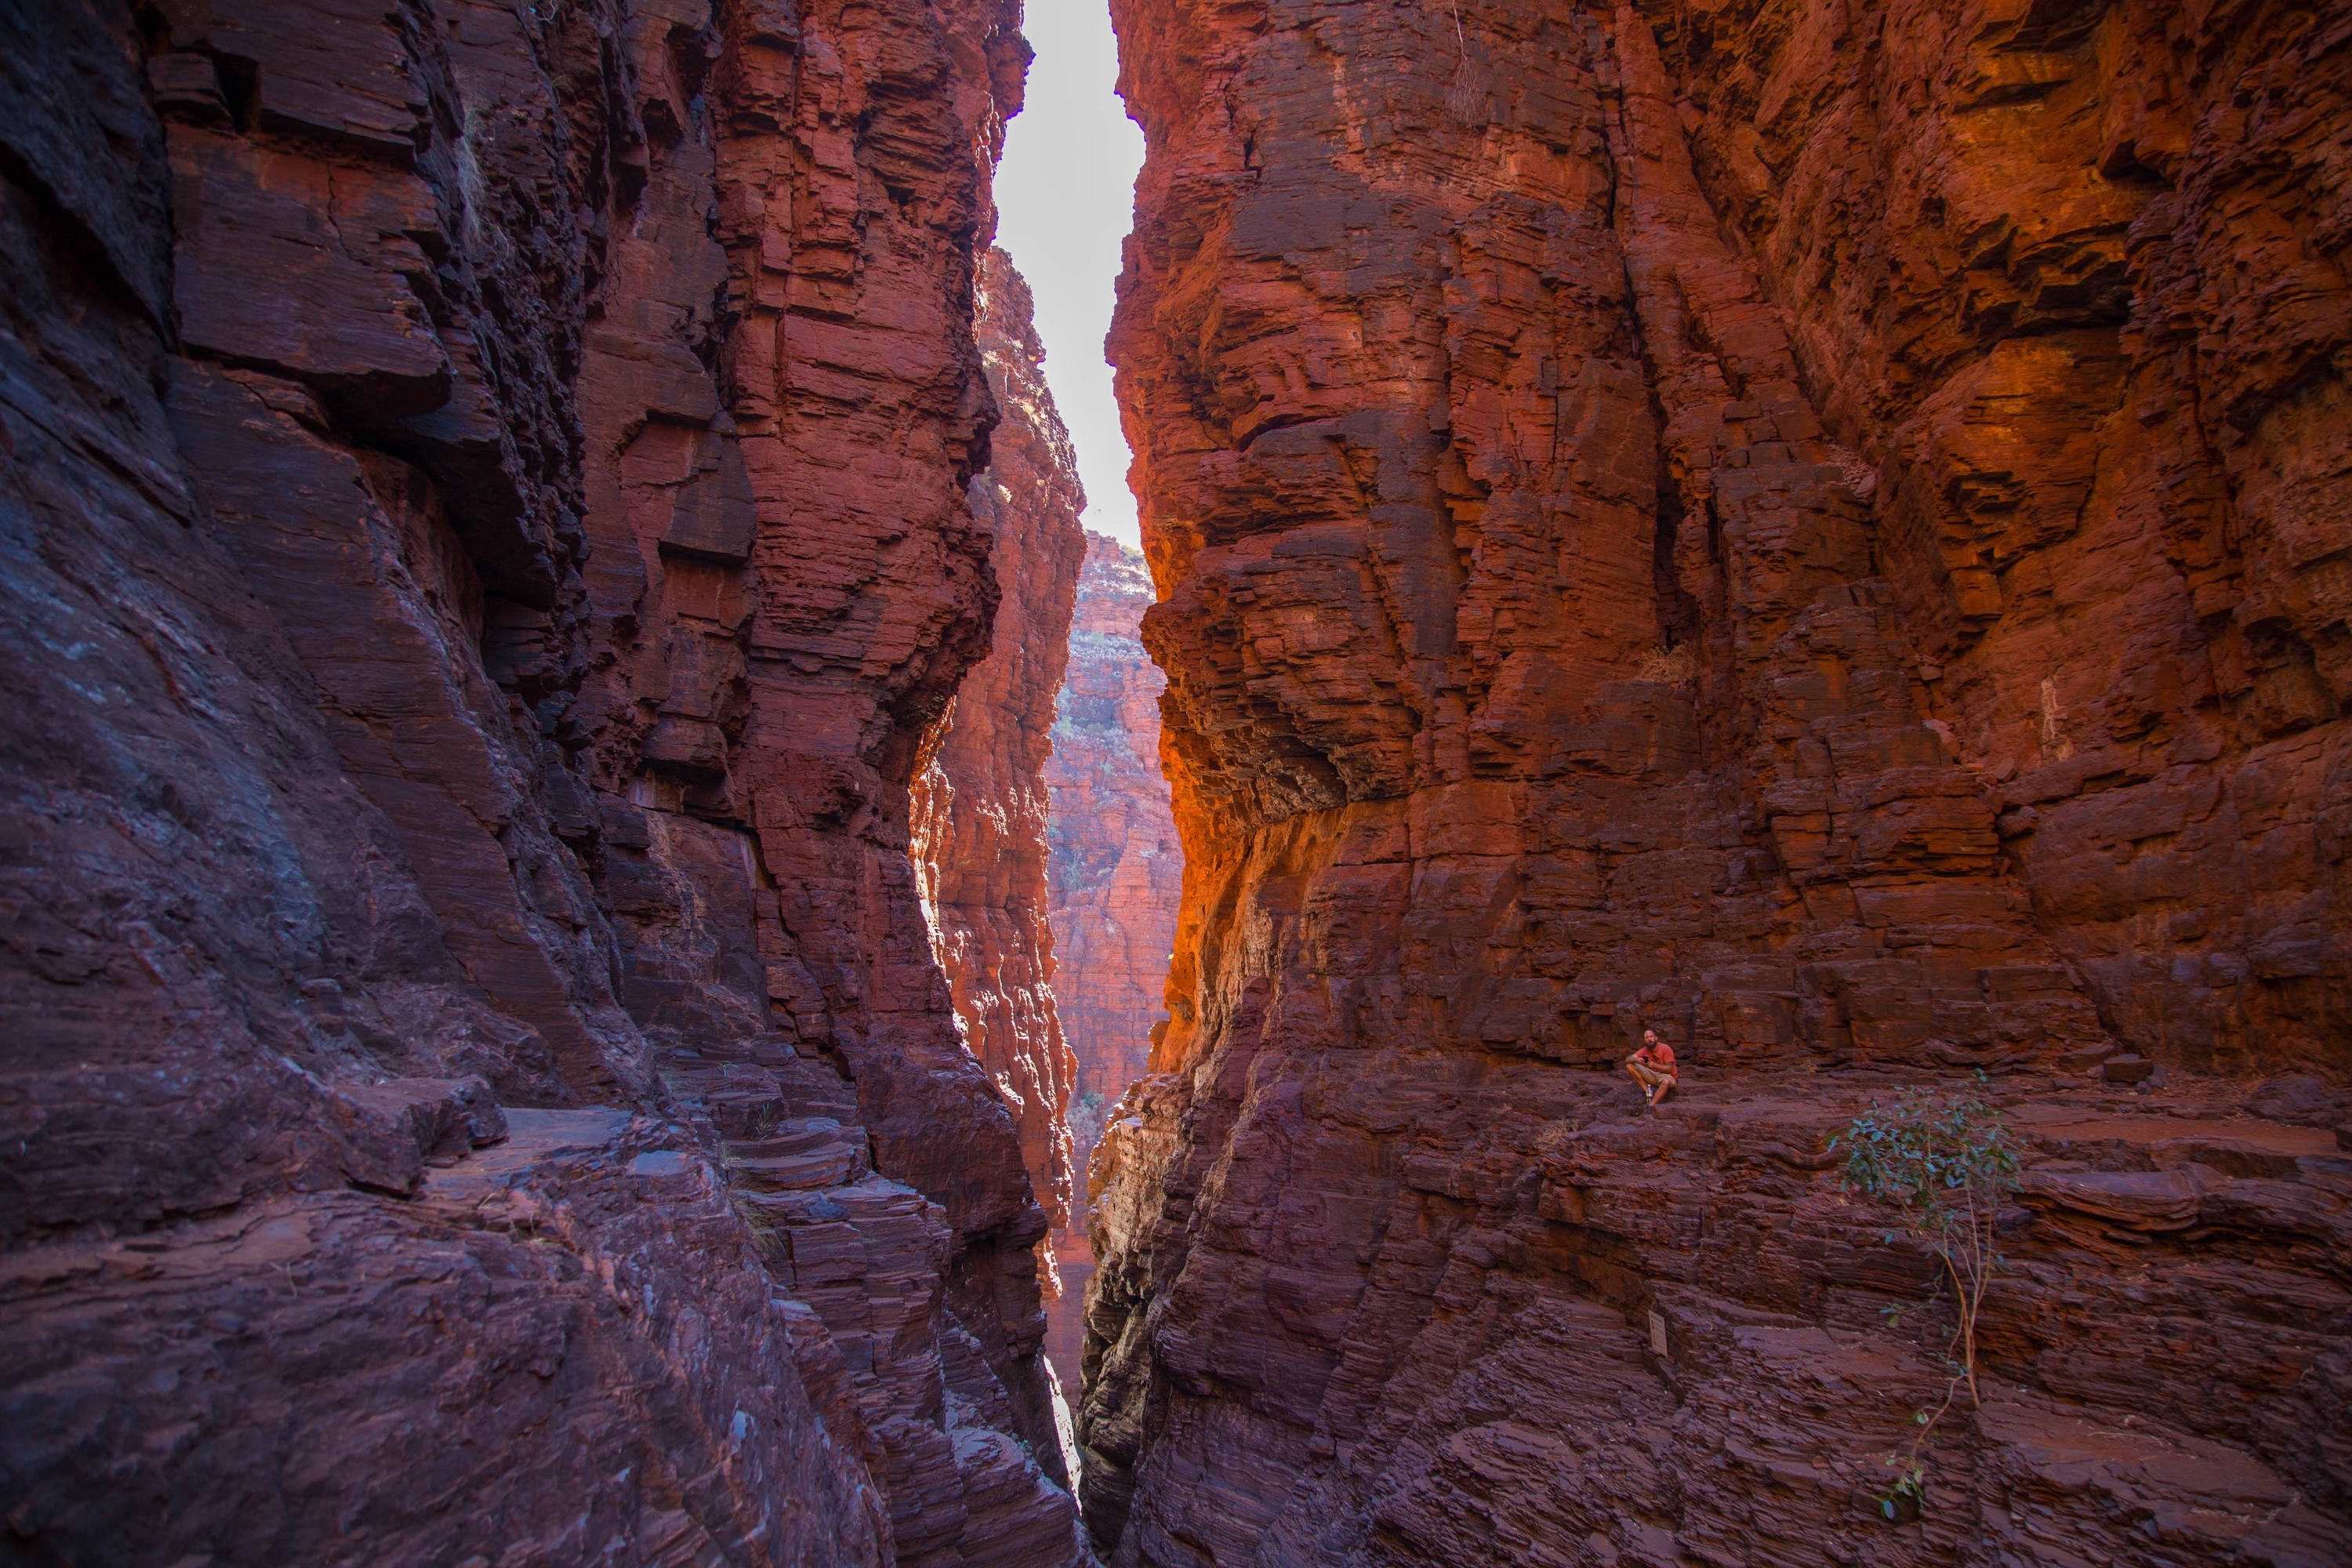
pixel 1852 467
pixel 1670 665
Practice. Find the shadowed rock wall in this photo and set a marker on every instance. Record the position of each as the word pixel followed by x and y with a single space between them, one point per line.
pixel 485 503
pixel 1816 530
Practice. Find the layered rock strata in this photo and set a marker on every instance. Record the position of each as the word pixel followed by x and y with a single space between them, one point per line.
pixel 1118 872
pixel 1817 531
pixel 982 803
pixel 485 505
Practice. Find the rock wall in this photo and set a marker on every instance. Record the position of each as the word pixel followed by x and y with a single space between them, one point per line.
pixel 981 805
pixel 1816 530
pixel 487 536
pixel 1118 872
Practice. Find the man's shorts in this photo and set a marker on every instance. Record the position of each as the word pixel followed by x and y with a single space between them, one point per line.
pixel 1648 1074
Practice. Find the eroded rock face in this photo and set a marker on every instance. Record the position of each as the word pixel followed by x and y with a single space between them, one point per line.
pixel 1814 530
pixel 485 504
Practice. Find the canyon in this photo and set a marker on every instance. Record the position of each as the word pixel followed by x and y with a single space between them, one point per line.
pixel 1819 531
pixel 620 941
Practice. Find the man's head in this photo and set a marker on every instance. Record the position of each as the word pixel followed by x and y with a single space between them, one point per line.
pixel 1650 1036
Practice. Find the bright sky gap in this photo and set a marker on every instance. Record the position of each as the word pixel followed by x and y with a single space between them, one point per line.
pixel 1065 200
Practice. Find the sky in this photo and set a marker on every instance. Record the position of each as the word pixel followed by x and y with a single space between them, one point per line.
pixel 1065 200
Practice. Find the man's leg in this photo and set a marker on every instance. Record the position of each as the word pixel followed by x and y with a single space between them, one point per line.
pixel 1665 1087
pixel 1647 1076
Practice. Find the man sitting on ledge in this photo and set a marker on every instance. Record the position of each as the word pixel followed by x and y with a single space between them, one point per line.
pixel 1652 1068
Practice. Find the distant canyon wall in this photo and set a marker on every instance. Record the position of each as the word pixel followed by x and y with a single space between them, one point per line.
pixel 1818 530
pixel 1117 863
pixel 1116 868
pixel 489 535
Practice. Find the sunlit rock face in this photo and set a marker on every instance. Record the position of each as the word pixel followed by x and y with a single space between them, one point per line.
pixel 982 804
pixel 489 530
pixel 1815 530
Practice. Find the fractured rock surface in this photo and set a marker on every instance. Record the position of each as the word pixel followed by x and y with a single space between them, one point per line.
pixel 485 498
pixel 1816 530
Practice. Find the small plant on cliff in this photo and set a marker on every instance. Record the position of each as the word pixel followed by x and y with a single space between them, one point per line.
pixel 1087 1117
pixel 1943 1162
pixel 1670 665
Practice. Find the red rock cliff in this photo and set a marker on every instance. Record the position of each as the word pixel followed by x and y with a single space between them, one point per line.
pixel 981 804
pixel 487 534
pixel 1816 530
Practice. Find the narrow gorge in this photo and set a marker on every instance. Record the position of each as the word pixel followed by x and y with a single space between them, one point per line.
pixel 1118 868
pixel 621 942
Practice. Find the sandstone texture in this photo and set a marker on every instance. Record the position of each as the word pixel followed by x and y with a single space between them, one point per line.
pixel 1118 868
pixel 485 503
pixel 1818 530
pixel 981 805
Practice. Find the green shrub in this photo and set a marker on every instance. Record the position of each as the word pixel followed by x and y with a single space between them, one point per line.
pixel 1942 1163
